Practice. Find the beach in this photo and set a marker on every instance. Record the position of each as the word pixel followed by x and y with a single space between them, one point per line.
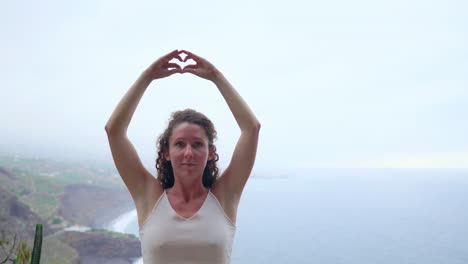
pixel 125 223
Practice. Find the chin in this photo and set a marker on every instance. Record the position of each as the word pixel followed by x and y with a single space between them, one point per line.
pixel 190 172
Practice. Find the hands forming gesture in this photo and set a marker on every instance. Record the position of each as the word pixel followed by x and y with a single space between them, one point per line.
pixel 165 66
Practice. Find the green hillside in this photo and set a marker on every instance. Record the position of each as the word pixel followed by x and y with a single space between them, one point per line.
pixel 39 183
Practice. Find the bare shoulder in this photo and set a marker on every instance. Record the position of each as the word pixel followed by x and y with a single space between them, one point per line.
pixel 145 202
pixel 228 199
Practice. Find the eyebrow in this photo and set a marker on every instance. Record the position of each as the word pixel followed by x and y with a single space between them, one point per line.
pixel 181 138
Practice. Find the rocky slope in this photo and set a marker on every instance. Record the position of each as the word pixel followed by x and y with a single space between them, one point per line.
pixel 17 221
pixel 25 196
pixel 102 247
pixel 93 206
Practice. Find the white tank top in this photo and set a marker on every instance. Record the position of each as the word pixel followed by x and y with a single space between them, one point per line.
pixel 206 237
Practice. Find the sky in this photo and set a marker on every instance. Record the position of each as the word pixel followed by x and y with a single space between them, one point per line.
pixel 366 84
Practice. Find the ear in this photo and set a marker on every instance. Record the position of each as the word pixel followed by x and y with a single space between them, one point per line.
pixel 211 154
pixel 166 155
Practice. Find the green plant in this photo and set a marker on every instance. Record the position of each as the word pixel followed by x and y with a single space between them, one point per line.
pixel 36 253
pixel 14 250
pixel 56 220
pixel 8 244
pixel 24 253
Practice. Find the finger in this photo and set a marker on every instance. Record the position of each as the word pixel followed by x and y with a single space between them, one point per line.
pixel 187 58
pixel 191 61
pixel 189 70
pixel 191 66
pixel 170 72
pixel 171 55
pixel 179 57
pixel 190 55
pixel 172 65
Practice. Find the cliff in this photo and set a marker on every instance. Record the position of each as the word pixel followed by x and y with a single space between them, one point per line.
pixel 28 198
pixel 17 221
pixel 15 215
pixel 93 206
pixel 103 247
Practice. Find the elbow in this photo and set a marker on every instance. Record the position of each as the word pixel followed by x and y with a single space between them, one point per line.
pixel 108 129
pixel 258 126
pixel 111 130
pixel 254 128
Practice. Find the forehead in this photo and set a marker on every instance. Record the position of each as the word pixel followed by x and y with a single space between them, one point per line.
pixel 188 130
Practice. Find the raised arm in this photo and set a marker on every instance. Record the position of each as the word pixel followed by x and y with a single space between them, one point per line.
pixel 137 179
pixel 234 178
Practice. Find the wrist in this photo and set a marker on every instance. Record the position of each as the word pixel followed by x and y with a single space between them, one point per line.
pixel 146 77
pixel 218 77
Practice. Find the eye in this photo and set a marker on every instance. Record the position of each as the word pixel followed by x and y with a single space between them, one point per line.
pixel 179 144
pixel 198 144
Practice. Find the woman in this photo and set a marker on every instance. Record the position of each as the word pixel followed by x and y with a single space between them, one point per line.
pixel 188 213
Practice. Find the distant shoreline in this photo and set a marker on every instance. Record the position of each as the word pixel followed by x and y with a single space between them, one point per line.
pixel 121 224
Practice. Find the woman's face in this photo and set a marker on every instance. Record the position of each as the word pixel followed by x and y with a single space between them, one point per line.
pixel 188 150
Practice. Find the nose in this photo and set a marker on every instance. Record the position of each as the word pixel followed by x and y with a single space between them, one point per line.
pixel 188 151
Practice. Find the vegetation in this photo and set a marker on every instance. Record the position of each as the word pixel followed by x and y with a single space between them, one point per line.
pixel 40 183
pixel 8 245
pixel 21 253
pixel 56 252
pixel 56 221
pixel 24 253
pixel 36 252
pixel 113 234
pixel 13 249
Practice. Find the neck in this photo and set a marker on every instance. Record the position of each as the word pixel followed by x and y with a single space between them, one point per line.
pixel 188 188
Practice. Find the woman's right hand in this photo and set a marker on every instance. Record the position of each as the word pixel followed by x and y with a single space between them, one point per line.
pixel 162 67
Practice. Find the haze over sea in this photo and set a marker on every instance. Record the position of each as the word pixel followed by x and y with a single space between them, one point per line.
pixel 351 216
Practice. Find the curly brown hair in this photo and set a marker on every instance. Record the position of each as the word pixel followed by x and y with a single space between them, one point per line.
pixel 164 167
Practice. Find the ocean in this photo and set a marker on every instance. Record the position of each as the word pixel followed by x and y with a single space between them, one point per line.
pixel 344 216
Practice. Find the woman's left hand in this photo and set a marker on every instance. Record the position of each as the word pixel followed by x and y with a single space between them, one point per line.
pixel 203 68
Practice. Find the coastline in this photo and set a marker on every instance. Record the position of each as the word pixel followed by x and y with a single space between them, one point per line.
pixel 122 224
